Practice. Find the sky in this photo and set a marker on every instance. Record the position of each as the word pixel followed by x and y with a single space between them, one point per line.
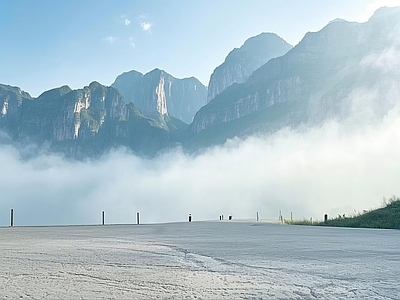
pixel 47 44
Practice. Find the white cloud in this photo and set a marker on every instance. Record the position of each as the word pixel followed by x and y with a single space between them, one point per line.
pixel 127 22
pixel 388 61
pixel 132 43
pixel 110 39
pixel 146 26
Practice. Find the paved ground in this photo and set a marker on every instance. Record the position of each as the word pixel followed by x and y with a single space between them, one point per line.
pixel 199 260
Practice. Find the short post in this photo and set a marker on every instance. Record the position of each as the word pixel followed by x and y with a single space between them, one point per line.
pixel 291 216
pixel 102 218
pixel 257 216
pixel 12 217
pixel 326 218
pixel 230 217
pixel 190 217
pixel 137 218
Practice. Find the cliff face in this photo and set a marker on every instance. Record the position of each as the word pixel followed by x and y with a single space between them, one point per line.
pixel 158 94
pixel 247 101
pixel 242 62
pixel 11 99
pixel 62 114
pixel 346 70
pixel 84 122
pixel 320 75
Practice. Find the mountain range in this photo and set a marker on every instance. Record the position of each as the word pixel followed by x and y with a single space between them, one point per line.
pixel 343 70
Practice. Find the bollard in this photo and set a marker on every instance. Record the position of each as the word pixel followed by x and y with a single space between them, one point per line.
pixel 190 217
pixel 220 218
pixel 326 218
pixel 102 218
pixel 12 217
pixel 291 216
pixel 257 216
pixel 230 217
pixel 137 218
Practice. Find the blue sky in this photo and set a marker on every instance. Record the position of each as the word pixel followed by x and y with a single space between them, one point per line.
pixel 46 44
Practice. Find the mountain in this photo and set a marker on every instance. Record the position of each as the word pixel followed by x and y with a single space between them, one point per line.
pixel 11 99
pixel 157 94
pixel 85 122
pixel 347 71
pixel 242 62
pixel 344 69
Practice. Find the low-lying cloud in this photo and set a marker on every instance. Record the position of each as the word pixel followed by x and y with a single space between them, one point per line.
pixel 309 172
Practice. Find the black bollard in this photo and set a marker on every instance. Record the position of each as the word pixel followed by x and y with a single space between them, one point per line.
pixel 230 217
pixel 190 217
pixel 137 218
pixel 102 218
pixel 326 218
pixel 12 217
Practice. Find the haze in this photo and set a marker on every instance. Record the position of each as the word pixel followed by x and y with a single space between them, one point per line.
pixel 309 172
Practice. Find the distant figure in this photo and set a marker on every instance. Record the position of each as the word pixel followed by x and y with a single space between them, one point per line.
pixel 190 217
pixel 220 218
pixel 230 217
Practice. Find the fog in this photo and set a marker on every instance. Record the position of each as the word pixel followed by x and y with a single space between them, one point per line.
pixel 309 172
pixel 337 168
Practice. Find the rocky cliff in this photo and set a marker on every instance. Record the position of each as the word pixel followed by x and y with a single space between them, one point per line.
pixel 62 114
pixel 158 94
pixel 84 122
pixel 320 76
pixel 11 99
pixel 345 71
pixel 242 62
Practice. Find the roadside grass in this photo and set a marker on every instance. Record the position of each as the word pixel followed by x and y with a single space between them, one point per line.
pixel 386 217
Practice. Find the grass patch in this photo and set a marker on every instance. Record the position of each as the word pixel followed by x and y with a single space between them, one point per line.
pixel 386 217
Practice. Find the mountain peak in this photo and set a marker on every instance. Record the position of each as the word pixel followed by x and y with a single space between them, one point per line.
pixel 156 72
pixel 95 84
pixel 242 62
pixel 158 93
pixel 15 89
pixel 56 92
pixel 385 12
pixel 337 20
